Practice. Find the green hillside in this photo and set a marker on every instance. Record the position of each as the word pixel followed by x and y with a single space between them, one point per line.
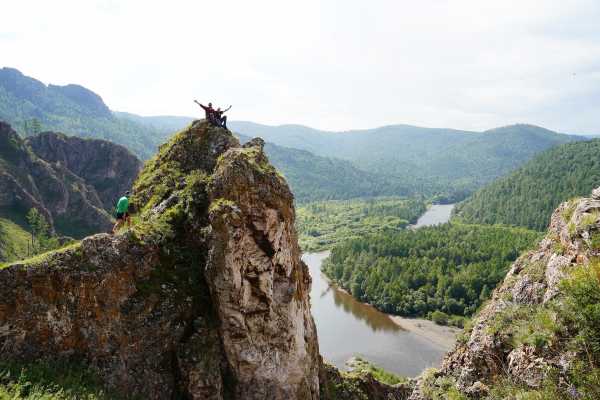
pixel 30 106
pixel 528 196
pixel 450 268
pixel 13 241
pixel 444 162
pixel 316 178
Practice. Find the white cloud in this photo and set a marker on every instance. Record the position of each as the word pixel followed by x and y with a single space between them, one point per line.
pixel 329 64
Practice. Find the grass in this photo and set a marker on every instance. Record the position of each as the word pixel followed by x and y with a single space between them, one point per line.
pixel 41 258
pixel 570 323
pixel 321 225
pixel 570 210
pixel 50 381
pixel 13 241
pixel 590 219
pixel 595 241
pixel 360 366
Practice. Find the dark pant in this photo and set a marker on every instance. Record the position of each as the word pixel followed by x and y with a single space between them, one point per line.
pixel 224 121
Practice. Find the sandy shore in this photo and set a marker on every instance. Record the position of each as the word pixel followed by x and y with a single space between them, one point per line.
pixel 442 336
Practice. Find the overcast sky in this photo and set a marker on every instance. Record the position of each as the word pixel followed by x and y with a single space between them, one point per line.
pixel 334 65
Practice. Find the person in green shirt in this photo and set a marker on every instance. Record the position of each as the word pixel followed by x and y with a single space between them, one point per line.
pixel 122 212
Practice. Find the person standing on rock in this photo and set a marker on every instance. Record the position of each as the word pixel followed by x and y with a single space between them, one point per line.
pixel 209 112
pixel 220 118
pixel 122 212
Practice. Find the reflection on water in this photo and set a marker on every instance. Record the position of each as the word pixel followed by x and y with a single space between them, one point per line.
pixel 348 328
pixel 436 214
pixel 376 320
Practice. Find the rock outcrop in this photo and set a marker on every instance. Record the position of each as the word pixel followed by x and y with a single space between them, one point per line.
pixel 72 182
pixel 108 168
pixel 526 337
pixel 205 298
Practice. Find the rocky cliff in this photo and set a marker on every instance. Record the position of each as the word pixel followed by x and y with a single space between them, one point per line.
pixel 72 182
pixel 109 168
pixel 205 298
pixel 539 335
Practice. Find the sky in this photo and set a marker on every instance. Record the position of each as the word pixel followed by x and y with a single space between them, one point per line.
pixel 328 64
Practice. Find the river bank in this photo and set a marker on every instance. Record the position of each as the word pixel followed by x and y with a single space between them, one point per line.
pixel 442 336
pixel 349 328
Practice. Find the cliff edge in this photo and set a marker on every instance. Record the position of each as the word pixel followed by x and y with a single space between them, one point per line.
pixel 205 298
pixel 539 335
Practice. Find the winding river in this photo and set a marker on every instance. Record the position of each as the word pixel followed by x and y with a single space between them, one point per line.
pixel 347 327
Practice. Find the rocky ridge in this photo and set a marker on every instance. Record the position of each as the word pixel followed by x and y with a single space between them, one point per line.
pixel 72 182
pixel 108 168
pixel 206 298
pixel 538 336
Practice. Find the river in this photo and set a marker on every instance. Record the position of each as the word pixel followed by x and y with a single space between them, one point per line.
pixel 347 327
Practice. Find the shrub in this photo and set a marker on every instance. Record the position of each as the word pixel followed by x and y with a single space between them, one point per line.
pixel 457 321
pixel 439 317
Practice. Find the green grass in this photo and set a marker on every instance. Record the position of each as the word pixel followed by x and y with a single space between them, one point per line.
pixel 590 219
pixel 41 258
pixel 50 381
pixel 13 241
pixel 321 225
pixel 360 366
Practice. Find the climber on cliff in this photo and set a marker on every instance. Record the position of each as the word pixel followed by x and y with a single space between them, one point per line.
pixel 209 112
pixel 122 212
pixel 220 118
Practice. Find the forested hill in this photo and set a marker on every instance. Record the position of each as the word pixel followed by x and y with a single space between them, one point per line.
pixel 30 107
pixel 448 162
pixel 528 196
pixel 450 268
pixel 313 177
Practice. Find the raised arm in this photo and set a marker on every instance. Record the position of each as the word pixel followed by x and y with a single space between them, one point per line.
pixel 203 107
pixel 227 109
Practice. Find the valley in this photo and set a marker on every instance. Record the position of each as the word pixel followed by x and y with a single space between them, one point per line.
pixel 409 234
pixel 348 328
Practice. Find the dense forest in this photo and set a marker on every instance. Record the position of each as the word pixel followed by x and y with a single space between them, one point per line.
pixel 446 163
pixel 315 178
pixel 528 196
pixel 324 224
pixel 450 268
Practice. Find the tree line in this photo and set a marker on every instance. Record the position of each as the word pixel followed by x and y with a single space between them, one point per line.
pixel 450 268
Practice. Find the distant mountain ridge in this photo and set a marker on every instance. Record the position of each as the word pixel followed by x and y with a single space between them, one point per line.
pixel 449 163
pixel 445 165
